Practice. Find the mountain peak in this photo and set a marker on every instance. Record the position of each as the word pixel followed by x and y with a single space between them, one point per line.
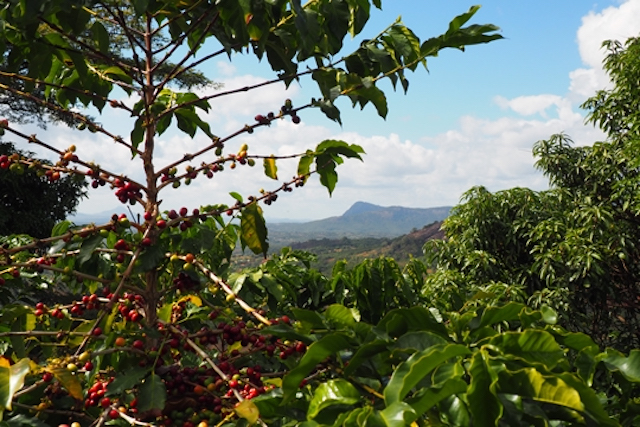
pixel 361 207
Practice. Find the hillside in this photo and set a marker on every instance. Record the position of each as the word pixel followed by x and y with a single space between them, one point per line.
pixel 354 250
pixel 362 220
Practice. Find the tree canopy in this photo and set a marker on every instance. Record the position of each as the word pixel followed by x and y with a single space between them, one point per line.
pixel 575 246
pixel 29 202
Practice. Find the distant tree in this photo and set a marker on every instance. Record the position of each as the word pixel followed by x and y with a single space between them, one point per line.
pixel 575 246
pixel 29 202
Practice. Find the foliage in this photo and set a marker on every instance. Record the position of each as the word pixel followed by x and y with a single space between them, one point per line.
pixel 30 203
pixel 162 332
pixel 574 246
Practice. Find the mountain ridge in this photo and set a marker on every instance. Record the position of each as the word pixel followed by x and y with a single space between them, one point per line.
pixel 362 219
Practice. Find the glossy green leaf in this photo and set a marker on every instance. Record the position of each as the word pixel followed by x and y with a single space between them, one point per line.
pixel 270 168
pixel 462 19
pixel 589 398
pixel 153 394
pixel 532 345
pixel 11 380
pixel 365 353
pixel 549 315
pixel 505 313
pixel 399 321
pixel 530 383
pixel 339 315
pixel 89 245
pixel 254 229
pixel 398 414
pixel 330 393
pixel 484 405
pixel 101 36
pixel 327 346
pixel 312 318
pixel 127 380
pixel 419 340
pixel 628 366
pixel 430 397
pixel 419 365
pixel 60 228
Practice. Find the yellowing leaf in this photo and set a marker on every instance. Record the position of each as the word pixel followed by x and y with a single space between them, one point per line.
pixel 11 380
pixel 248 410
pixel 68 381
pixel 270 168
pixel 194 299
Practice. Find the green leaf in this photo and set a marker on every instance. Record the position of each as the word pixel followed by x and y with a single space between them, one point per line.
pixel 127 380
pixel 434 395
pixel 591 401
pixel 270 168
pixel 316 353
pixel 549 315
pixel 530 383
pixel 254 229
pixel 460 20
pixel 304 165
pixel 533 345
pixel 629 366
pixel 419 340
pixel 399 321
pixel 236 196
pixel 366 352
pixel 89 245
pixel 21 420
pixel 11 380
pixel 311 317
pixel 137 134
pixel 152 395
pixel 151 258
pixel 504 313
pixel 398 414
pixel 339 315
pixel 414 369
pixel 333 392
pixel 326 168
pixel 484 405
pixel 60 228
pixel 101 36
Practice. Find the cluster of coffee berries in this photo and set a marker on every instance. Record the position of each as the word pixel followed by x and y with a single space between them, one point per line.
pixel 7 161
pixel 130 307
pixel 287 108
pixel 169 174
pixel 184 282
pixel 67 157
pixel 270 198
pixel 96 394
pixel 127 191
pixel 87 302
pixel 182 213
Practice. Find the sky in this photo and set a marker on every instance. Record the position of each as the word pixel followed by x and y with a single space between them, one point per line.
pixel 472 119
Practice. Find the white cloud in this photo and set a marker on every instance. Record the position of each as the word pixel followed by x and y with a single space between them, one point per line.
pixel 612 23
pixel 534 104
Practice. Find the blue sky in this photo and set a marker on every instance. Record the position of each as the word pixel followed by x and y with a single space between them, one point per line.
pixel 471 120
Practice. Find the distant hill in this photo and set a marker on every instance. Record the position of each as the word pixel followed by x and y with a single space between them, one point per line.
pixel 355 250
pixel 359 221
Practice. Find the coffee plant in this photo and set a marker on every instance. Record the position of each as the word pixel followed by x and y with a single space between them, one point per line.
pixel 155 333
